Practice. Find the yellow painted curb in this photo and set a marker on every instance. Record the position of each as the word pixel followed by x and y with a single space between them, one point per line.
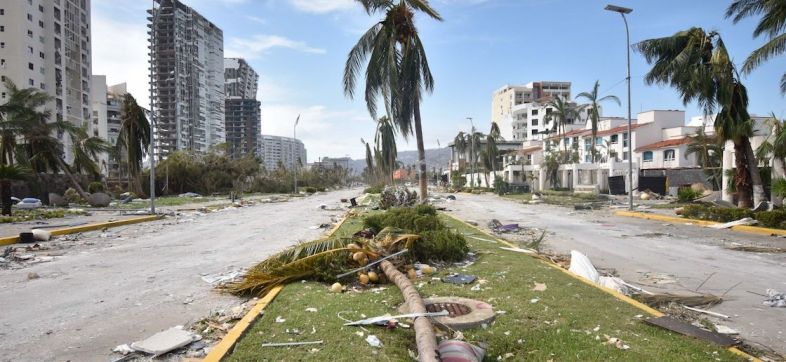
pixel 614 293
pixel 90 227
pixel 742 228
pixel 220 350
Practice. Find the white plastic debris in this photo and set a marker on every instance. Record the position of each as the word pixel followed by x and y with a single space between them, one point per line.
pixel 165 341
pixel 41 234
pixel 280 319
pixel 582 266
pixel 745 221
pixel 311 310
pixel 373 341
pixel 123 349
pixel 775 299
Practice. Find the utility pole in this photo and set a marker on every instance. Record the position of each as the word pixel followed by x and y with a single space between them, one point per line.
pixel 472 151
pixel 622 11
pixel 153 40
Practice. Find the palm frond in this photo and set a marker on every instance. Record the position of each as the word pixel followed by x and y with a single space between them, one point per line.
pixel 774 47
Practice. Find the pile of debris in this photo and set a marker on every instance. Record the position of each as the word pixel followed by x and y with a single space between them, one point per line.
pixel 19 257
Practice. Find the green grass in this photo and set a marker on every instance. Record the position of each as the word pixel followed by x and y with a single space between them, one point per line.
pixel 559 327
pixel 38 214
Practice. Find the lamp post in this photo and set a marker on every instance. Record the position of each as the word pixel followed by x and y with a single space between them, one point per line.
pixel 153 40
pixel 472 151
pixel 622 11
pixel 294 160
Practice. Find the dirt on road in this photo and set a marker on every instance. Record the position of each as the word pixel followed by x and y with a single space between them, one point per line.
pixel 125 284
pixel 658 257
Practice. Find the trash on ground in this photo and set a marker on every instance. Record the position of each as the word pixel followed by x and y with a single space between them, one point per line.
pixel 385 318
pixel 451 197
pixel 41 235
pixel 373 341
pixel 123 349
pixel 519 250
pixel 707 312
pixel 311 310
pixel 291 344
pixel 775 299
pixel 498 227
pixel 539 287
pixel 221 278
pixel 460 351
pixel 662 299
pixel 757 249
pixel 690 330
pixel 725 330
pixel 616 342
pixel 740 222
pixel 459 279
pixel 165 341
pixel 280 319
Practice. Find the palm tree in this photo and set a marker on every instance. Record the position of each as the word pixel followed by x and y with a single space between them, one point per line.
pixel 370 173
pixel 385 141
pixel 562 113
pixel 594 113
pixel 133 140
pixel 460 144
pixel 17 115
pixel 772 23
pixel 474 154
pixel 397 69
pixel 492 151
pixel 85 149
pixel 709 155
pixel 774 146
pixel 8 174
pixel 697 64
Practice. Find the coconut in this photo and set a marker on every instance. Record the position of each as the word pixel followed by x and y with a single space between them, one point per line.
pixel 336 288
pixel 427 269
pixel 358 256
pixel 353 246
pixel 363 279
pixel 411 274
pixel 373 277
pixel 645 196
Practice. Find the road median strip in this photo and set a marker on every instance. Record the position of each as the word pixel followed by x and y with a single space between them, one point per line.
pixel 679 220
pixel 9 240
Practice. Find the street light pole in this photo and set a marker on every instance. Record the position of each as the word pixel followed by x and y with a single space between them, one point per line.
pixel 294 159
pixel 622 11
pixel 153 39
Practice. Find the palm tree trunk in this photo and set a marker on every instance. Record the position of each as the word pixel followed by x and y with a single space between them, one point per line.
pixel 742 177
pixel 421 152
pixel 758 186
pixel 424 331
pixel 5 196
pixel 72 178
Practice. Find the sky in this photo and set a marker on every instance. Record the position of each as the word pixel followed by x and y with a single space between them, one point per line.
pixel 299 48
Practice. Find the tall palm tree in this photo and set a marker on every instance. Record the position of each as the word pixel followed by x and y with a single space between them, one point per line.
pixel 697 64
pixel 772 23
pixel 17 115
pixel 475 141
pixel 397 69
pixel 775 144
pixel 492 151
pixel 85 149
pixel 460 144
pixel 709 154
pixel 133 140
pixel 8 174
pixel 370 173
pixel 594 100
pixel 562 113
pixel 385 141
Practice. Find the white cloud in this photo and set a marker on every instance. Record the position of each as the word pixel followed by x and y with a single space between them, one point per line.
pixel 260 44
pixel 121 60
pixel 323 6
pixel 257 19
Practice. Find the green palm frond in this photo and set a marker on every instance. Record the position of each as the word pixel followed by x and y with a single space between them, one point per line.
pixel 14 173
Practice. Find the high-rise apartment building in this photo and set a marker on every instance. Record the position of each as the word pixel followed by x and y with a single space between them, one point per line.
pixel 188 79
pixel 285 150
pixel 107 109
pixel 242 109
pixel 45 44
pixel 520 111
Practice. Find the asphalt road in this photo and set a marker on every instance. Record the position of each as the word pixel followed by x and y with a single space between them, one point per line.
pixel 123 285
pixel 680 257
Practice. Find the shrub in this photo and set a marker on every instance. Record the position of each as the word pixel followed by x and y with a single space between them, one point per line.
pixel 73 197
pixel 375 189
pixel 94 187
pixel 437 243
pixel 771 219
pixel 718 214
pixel 500 186
pixel 687 194
pixel 310 190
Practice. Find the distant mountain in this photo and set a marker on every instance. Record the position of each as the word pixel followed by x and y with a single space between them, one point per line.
pixel 435 157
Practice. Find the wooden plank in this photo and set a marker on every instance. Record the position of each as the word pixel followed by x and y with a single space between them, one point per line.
pixel 691 330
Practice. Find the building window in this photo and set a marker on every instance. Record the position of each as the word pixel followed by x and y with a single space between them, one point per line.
pixel 2 45
pixel 41 8
pixel 625 139
pixel 2 11
pixel 31 82
pixel 41 55
pixel 615 139
pixel 2 28
pixel 534 112
pixel 29 17
pixel 668 155
pixel 599 141
pixel 534 121
pixel 3 95
pixel 40 24
pixel 30 66
pixel 647 156
pixel 625 156
pixel 534 132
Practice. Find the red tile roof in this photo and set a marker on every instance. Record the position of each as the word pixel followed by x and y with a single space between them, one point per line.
pixel 664 144
pixel 529 150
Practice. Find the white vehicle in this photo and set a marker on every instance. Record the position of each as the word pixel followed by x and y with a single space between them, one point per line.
pixel 28 203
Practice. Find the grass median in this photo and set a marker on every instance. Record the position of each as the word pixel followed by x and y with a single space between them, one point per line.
pixel 568 321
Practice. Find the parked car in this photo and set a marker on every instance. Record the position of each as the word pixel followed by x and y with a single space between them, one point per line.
pixel 28 203
pixel 15 200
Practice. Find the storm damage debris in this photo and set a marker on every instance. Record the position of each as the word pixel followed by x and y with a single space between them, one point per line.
pixel 775 299
pixel 691 330
pixel 740 222
pixel 165 341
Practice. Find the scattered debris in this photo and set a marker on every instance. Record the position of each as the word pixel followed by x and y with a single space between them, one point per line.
pixel 451 197
pixel 740 222
pixel 616 342
pixel 725 330
pixel 33 275
pixel 757 249
pixel 539 287
pixel 386 318
pixel 497 227
pixel 457 350
pixel 519 250
pixel 41 235
pixel 165 341
pixel 775 299
pixel 311 310
pixel 280 319
pixel 123 349
pixel 459 279
pixel 373 341
pixel 218 279
pixel 291 344
pixel 690 330
pixel 662 299
pixel 707 312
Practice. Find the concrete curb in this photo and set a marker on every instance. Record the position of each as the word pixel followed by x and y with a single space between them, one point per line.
pixel 220 350
pixel 614 293
pixel 90 227
pixel 679 220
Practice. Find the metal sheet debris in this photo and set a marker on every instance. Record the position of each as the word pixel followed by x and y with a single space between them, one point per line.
pixel 690 330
